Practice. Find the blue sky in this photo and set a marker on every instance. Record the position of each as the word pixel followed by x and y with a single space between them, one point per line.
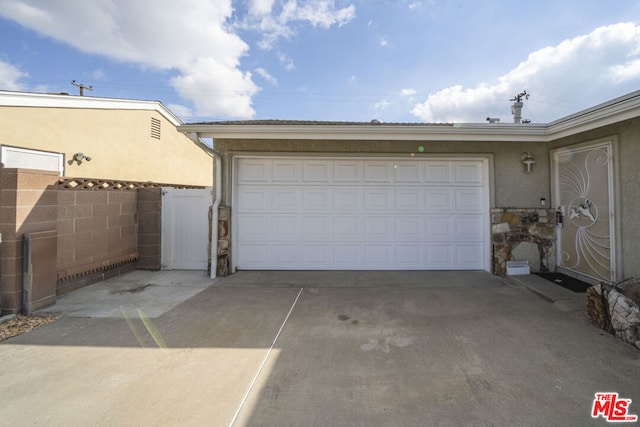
pixel 347 60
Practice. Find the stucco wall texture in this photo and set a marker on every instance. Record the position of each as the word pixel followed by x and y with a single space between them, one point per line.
pixel 512 186
pixel 119 143
pixel 628 136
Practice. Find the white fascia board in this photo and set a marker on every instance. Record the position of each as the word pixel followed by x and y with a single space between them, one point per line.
pixel 23 99
pixel 617 110
pixel 378 132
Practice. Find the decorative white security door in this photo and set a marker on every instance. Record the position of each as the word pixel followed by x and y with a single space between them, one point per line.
pixel 584 191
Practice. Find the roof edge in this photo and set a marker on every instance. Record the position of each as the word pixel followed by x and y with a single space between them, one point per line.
pixel 47 100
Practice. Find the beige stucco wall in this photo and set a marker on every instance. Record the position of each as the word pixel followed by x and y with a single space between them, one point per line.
pixel 118 141
pixel 512 187
pixel 628 135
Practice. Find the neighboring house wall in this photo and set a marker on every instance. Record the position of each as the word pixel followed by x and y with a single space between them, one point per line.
pixel 119 142
pixel 628 134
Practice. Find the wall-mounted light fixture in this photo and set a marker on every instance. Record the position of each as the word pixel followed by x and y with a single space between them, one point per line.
pixel 527 161
pixel 79 157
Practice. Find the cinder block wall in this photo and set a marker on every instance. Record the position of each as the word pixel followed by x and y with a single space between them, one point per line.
pixel 28 204
pixel 97 231
pixel 149 228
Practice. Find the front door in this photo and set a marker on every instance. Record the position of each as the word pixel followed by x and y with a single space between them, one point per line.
pixel 584 192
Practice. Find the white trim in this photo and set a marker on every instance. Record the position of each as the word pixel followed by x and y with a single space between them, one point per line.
pixel 367 132
pixel 22 99
pixel 5 149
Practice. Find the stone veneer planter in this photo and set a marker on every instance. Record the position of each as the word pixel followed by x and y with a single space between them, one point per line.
pixel 523 235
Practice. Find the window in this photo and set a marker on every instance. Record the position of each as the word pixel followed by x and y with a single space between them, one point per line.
pixel 13 157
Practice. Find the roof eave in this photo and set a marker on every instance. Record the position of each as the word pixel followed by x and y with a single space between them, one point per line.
pixel 378 132
pixel 46 100
pixel 617 110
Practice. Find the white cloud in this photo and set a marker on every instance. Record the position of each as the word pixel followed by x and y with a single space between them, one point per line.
pixel 384 42
pixel 381 105
pixel 276 20
pixel 183 112
pixel 407 92
pixel 190 37
pixel 581 71
pixel 10 77
pixel 260 7
pixel 286 61
pixel 265 75
pixel 627 71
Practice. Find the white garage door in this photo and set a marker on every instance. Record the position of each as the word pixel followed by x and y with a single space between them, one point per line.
pixel 359 214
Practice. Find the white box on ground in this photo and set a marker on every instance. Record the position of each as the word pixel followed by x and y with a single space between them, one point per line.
pixel 515 268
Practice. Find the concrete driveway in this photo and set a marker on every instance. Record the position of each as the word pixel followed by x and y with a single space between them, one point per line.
pixel 317 348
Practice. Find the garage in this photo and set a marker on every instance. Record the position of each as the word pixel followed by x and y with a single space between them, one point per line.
pixel 346 213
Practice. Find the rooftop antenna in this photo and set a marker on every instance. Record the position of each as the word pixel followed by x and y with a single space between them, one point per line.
pixel 516 108
pixel 82 87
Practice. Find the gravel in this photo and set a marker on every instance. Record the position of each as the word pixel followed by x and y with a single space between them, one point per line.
pixel 23 324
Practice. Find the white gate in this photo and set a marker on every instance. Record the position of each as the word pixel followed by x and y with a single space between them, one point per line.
pixel 584 191
pixel 185 228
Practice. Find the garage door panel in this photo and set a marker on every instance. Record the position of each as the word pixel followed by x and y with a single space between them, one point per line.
pixel 360 214
pixel 316 199
pixel 348 257
pixel 254 228
pixel 316 171
pixel 376 199
pixel 317 257
pixel 285 199
pixel 347 199
pixel 408 200
pixel 377 172
pixel 469 256
pixel 468 228
pixel 347 229
pixel 285 171
pixel 283 228
pixel 407 172
pixel 408 228
pixel 316 228
pixel 438 229
pixel 378 229
pixel 252 199
pixel 409 257
pixel 437 173
pixel 439 257
pixel 253 171
pixel 468 200
pixel 255 255
pixel 284 255
pixel 469 173
pixel 347 171
pixel 438 200
pixel 378 257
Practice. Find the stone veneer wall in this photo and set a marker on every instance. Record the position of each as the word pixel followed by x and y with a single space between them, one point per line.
pixel 523 235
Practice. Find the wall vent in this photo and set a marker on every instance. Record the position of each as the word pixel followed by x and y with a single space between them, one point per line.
pixel 155 128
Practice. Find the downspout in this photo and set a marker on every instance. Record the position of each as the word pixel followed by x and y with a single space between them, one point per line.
pixel 217 196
